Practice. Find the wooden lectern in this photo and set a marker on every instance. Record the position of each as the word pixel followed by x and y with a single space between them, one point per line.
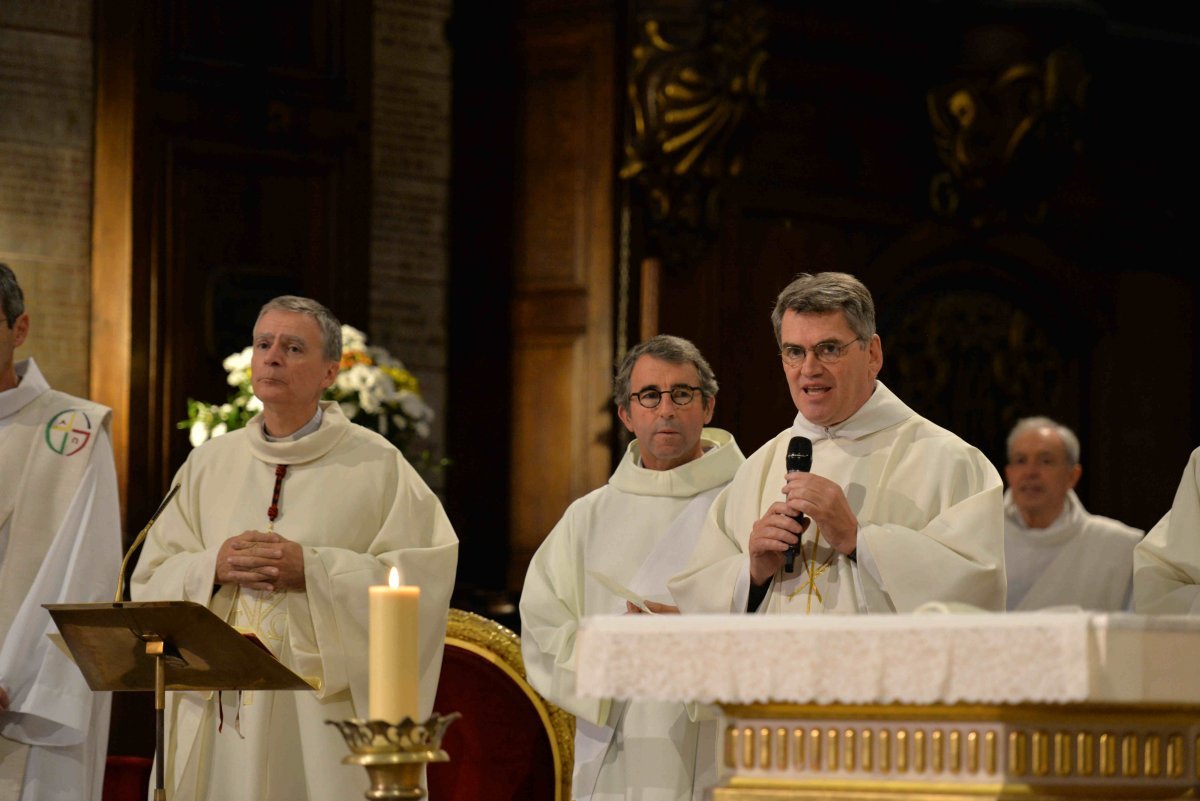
pixel 165 645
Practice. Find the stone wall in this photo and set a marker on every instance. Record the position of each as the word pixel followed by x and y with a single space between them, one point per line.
pixel 410 133
pixel 46 134
pixel 46 100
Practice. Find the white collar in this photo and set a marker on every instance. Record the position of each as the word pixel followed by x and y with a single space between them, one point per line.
pixel 882 410
pixel 303 431
pixel 715 467
pixel 1071 512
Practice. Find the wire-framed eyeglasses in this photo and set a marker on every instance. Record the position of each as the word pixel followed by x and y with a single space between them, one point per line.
pixel 681 395
pixel 827 352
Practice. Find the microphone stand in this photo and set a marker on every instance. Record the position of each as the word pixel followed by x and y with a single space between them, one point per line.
pixel 138 541
pixel 156 648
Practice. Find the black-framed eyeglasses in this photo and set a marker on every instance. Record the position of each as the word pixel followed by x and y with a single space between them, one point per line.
pixel 680 396
pixel 827 352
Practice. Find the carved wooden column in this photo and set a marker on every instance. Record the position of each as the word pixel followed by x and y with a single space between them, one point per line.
pixel 562 306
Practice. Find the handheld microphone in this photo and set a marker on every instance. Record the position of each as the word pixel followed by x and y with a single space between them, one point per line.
pixel 799 460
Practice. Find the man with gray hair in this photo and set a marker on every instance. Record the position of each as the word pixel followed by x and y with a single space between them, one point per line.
pixel 280 528
pixel 895 511
pixel 1055 552
pixel 613 552
pixel 60 542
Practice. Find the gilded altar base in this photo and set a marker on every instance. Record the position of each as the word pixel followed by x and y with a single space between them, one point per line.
pixel 947 752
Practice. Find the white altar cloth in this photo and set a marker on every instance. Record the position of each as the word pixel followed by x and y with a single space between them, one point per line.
pixel 1015 658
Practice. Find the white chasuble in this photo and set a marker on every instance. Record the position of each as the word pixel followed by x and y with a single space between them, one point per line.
pixel 929 512
pixel 1080 559
pixel 357 508
pixel 1166 564
pixel 60 542
pixel 635 532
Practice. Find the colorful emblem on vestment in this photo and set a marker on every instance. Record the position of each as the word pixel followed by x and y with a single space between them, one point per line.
pixel 68 432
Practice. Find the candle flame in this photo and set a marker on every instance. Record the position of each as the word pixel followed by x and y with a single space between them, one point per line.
pixel 394 578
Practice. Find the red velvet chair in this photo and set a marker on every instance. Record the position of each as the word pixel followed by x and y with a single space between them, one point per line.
pixel 126 778
pixel 510 744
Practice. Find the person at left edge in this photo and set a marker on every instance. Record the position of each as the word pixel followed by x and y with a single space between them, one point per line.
pixel 290 554
pixel 60 542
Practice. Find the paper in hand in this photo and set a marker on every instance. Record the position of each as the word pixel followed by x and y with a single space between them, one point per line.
pixel 620 591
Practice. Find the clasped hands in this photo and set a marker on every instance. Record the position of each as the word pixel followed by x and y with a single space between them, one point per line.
pixel 822 502
pixel 261 560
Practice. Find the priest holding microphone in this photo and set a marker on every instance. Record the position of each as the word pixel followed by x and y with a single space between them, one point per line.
pixel 280 528
pixel 891 512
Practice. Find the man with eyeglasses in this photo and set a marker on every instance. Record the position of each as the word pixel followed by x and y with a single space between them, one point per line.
pixel 627 539
pixel 1056 553
pixel 895 511
pixel 60 542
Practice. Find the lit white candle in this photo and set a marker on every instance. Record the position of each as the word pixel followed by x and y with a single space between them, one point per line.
pixel 393 667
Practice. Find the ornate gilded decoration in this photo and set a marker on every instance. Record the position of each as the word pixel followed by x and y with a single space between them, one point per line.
pixel 692 81
pixel 394 754
pixel 958 349
pixel 985 752
pixel 1007 138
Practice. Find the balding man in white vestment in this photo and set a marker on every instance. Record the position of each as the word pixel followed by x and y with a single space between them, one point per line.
pixel 280 528
pixel 1056 553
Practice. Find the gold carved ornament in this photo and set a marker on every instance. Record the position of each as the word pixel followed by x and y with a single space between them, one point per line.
pixel 1007 139
pixel 689 92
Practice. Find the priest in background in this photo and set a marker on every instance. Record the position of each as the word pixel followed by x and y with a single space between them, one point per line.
pixel 1166 564
pixel 280 528
pixel 632 534
pixel 60 542
pixel 895 512
pixel 1056 553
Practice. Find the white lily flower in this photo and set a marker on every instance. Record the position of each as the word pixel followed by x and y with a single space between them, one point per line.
pixel 198 434
pixel 412 405
pixel 353 339
pixel 369 401
pixel 358 377
pixel 238 367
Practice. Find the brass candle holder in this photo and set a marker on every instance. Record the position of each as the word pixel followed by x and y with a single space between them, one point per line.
pixel 394 754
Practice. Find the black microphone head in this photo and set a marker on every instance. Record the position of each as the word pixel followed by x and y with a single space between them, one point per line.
pixel 799 455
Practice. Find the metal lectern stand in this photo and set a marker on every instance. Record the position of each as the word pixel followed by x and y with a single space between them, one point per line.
pixel 165 645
